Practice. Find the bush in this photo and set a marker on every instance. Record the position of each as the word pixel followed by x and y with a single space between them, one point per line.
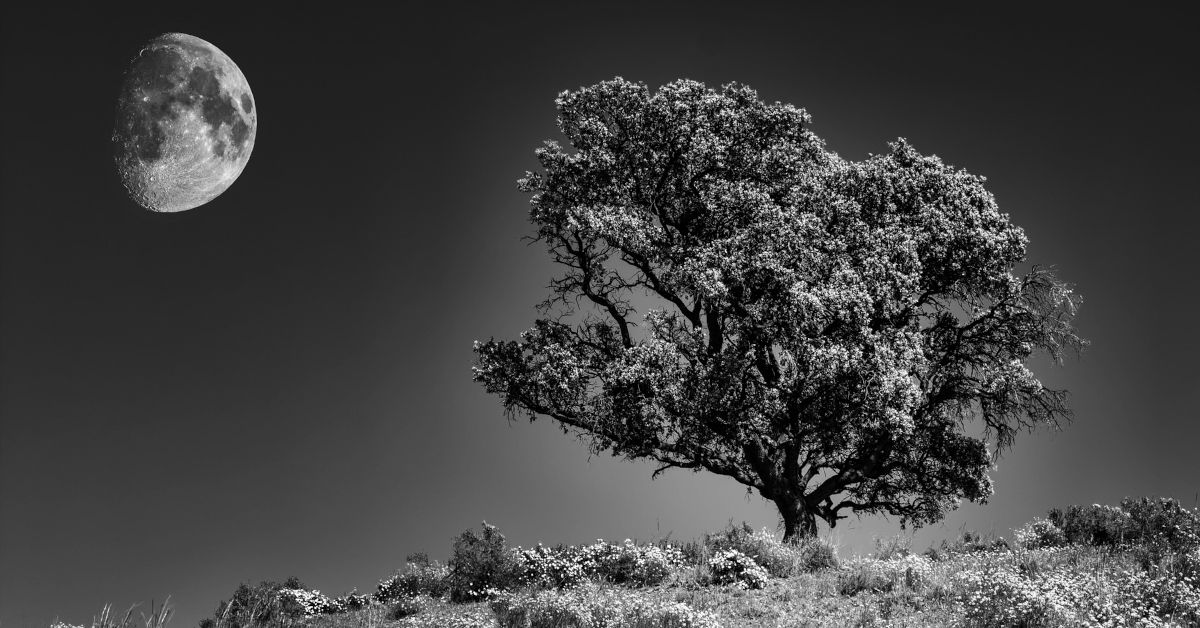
pixel 733 567
pixel 545 568
pixel 1092 525
pixel 1189 566
pixel 1003 597
pixel 590 605
pixel 630 564
pixel 1159 524
pixel 1162 520
pixel 480 563
pixel 1163 594
pixel 781 560
pixel 260 604
pixel 1039 533
pixel 422 577
pixel 970 542
pixel 1026 594
pixel 404 607
pixel 352 601
pixel 892 547
pixel 626 564
pixel 304 603
pixel 884 576
pixel 817 555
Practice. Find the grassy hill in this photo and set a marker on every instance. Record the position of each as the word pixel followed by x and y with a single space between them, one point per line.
pixel 1137 564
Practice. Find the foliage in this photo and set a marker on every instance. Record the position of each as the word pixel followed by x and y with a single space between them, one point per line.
pixel 733 567
pixel 1162 520
pixel 628 563
pixel 975 581
pixel 892 547
pixel 158 617
pixel 1039 533
pixel 967 542
pixel 884 575
pixel 781 560
pixel 479 563
pixel 303 603
pixel 306 603
pixel 736 298
pixel 258 605
pixel 1149 521
pixel 422 577
pixel 1092 525
pixel 545 568
pixel 593 606
pixel 404 607
pixel 624 564
pixel 999 592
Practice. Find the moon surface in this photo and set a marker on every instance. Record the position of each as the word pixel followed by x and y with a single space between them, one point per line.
pixel 185 124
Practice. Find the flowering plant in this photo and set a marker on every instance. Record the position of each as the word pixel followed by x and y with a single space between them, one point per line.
pixel 1039 533
pixel 733 567
pixel 624 563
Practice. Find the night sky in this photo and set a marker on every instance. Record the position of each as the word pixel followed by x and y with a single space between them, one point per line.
pixel 279 382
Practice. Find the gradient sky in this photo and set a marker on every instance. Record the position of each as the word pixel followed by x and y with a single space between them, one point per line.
pixel 278 383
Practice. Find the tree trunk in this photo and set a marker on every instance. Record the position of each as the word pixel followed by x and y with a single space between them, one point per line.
pixel 799 523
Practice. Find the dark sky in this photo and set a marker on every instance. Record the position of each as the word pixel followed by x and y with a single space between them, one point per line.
pixel 278 383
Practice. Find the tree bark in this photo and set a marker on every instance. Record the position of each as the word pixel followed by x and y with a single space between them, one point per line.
pixel 799 523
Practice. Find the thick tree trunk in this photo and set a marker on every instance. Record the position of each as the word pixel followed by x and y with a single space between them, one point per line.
pixel 799 522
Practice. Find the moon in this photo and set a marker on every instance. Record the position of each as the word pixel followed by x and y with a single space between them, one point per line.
pixel 185 124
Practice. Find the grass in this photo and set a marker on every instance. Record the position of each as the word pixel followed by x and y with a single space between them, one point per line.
pixel 158 617
pixel 1038 578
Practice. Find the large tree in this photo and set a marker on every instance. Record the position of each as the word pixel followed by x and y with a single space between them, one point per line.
pixel 844 337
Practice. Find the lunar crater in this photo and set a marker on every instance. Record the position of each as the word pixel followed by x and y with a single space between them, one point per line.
pixel 180 137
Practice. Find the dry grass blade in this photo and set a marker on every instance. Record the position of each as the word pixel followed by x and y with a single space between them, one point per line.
pixel 159 618
pixel 106 619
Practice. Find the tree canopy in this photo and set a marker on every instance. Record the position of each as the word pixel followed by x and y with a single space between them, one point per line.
pixel 843 337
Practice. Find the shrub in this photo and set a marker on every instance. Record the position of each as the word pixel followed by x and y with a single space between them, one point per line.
pixel 733 567
pixel 781 560
pixel 1161 526
pixel 352 601
pixel 1189 566
pixel 404 607
pixel 883 576
pixel 480 563
pixel 1003 597
pixel 590 605
pixel 260 604
pixel 1162 520
pixel 858 577
pixel 422 577
pixel 695 552
pixel 892 547
pixel 305 603
pixel 628 563
pixel 1039 533
pixel 971 542
pixel 545 568
pixel 818 554
pixel 1003 594
pixel 1092 525
pixel 1156 592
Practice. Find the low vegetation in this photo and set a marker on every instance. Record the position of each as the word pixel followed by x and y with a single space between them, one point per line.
pixel 1137 564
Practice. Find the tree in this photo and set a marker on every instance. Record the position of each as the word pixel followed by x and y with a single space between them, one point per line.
pixel 843 337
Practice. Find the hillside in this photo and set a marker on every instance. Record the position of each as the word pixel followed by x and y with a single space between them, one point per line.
pixel 1137 564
